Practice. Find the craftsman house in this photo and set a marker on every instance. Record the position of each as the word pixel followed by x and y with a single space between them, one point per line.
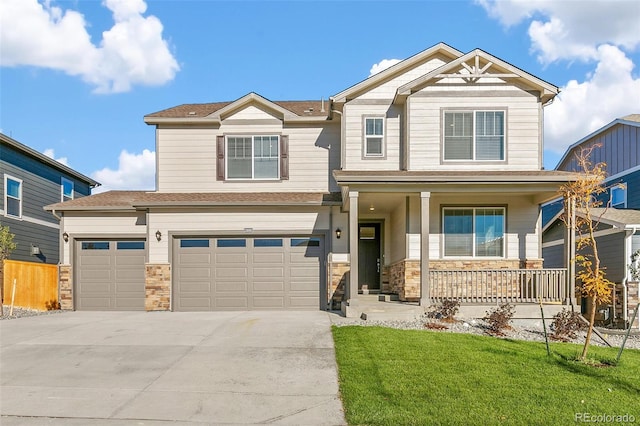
pixel 424 180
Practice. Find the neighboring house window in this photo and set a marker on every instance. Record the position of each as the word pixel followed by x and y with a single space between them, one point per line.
pixel 263 157
pixel 66 186
pixel 474 135
pixel 474 232
pixel 12 196
pixel 619 196
pixel 374 137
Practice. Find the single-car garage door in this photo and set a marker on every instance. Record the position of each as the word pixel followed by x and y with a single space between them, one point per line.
pixel 110 275
pixel 247 273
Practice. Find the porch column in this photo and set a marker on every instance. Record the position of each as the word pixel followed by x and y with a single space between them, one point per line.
pixel 425 296
pixel 352 288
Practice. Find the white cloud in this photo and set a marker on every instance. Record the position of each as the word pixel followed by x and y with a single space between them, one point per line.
pixel 131 52
pixel 49 153
pixel 581 108
pixel 570 29
pixel 382 65
pixel 135 172
pixel 598 32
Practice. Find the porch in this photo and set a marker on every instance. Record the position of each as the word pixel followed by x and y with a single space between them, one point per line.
pixel 476 290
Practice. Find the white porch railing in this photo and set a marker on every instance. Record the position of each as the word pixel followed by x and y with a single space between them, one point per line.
pixel 499 285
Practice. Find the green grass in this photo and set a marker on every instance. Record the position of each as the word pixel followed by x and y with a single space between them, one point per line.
pixel 415 377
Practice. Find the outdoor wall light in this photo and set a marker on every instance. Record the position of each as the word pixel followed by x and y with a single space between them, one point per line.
pixel 158 235
pixel 65 237
pixel 338 233
pixel 35 250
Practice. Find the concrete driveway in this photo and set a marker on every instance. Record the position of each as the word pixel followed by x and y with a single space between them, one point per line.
pixel 121 368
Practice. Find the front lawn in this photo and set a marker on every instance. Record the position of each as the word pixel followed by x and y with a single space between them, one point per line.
pixel 404 377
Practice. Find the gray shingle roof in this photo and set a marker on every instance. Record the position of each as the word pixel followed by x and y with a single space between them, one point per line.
pixel 126 200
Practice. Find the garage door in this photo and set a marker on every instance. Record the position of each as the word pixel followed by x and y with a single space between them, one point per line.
pixel 110 275
pixel 247 273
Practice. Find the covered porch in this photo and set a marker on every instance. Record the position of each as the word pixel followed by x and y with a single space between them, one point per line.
pixel 425 237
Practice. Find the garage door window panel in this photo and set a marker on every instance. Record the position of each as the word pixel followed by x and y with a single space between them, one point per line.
pixel 130 245
pixel 230 243
pixel 95 245
pixel 194 243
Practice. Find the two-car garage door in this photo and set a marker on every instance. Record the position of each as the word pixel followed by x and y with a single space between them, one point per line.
pixel 234 273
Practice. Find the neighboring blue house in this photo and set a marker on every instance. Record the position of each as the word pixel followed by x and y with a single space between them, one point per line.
pixel 29 181
pixel 619 232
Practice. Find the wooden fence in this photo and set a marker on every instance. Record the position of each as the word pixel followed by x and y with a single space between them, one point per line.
pixel 36 284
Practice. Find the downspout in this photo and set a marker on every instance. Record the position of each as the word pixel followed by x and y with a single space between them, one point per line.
pixel 627 243
pixel 53 212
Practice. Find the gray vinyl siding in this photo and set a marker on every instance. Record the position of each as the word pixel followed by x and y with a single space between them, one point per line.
pixel 553 256
pixel 41 185
pixel 611 251
pixel 26 234
pixel 620 149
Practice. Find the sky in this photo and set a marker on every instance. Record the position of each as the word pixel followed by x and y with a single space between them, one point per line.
pixel 78 76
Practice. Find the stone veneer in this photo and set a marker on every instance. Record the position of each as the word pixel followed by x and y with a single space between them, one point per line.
pixel 404 275
pixel 65 287
pixel 157 287
pixel 339 274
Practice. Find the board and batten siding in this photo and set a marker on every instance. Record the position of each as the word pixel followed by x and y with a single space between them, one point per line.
pixel 187 157
pixel 619 149
pixel 249 222
pixel 102 226
pixel 522 127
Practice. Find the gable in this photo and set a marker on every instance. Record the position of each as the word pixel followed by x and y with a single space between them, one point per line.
pixel 440 52
pixel 478 67
pixel 254 113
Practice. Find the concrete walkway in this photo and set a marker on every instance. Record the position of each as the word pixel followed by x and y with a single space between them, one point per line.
pixel 122 368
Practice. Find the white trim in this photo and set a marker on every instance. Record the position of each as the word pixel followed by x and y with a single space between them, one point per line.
pixel 473 225
pixel 252 177
pixel 473 112
pixel 365 137
pixel 6 196
pixel 596 234
pixel 62 182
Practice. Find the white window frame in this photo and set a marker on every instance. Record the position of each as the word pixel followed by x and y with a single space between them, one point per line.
pixel 622 204
pixel 366 137
pixel 6 196
pixel 473 233
pixel 474 144
pixel 64 180
pixel 253 158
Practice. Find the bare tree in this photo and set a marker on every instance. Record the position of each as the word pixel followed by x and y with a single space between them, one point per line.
pixel 6 247
pixel 583 196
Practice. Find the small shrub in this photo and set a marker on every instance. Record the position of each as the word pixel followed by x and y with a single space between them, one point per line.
pixel 566 324
pixel 499 318
pixel 446 311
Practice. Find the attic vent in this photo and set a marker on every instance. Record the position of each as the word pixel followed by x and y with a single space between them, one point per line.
pixel 192 113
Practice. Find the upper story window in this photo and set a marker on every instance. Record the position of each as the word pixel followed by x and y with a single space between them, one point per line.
pixel 66 187
pixel 253 157
pixel 474 135
pixel 474 232
pixel 374 137
pixel 619 196
pixel 12 196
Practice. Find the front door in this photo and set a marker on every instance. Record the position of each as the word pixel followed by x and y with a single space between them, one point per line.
pixel 369 256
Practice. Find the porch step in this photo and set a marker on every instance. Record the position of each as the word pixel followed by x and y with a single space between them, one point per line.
pixel 388 298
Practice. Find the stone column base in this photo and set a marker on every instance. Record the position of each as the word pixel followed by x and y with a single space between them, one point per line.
pixel 157 287
pixel 65 287
pixel 339 278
